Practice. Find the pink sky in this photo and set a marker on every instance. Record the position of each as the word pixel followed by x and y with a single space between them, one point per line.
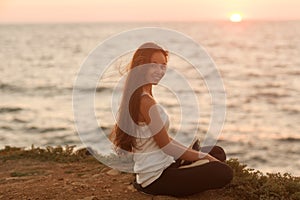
pixel 141 10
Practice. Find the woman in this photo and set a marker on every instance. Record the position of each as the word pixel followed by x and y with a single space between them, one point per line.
pixel 162 165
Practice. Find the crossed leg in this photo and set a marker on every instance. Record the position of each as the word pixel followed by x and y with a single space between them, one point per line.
pixel 177 181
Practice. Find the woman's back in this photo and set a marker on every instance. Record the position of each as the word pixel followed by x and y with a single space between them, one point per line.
pixel 149 159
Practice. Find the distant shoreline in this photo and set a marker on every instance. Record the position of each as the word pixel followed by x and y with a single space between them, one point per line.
pixel 148 22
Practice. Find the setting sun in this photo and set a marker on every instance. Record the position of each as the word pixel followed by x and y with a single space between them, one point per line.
pixel 236 17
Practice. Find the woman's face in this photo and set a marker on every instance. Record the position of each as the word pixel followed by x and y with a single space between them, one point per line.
pixel 157 68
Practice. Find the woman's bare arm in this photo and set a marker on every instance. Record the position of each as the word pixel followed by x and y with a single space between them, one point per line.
pixel 188 153
pixel 161 137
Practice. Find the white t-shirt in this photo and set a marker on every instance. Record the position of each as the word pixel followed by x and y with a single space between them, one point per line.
pixel 149 160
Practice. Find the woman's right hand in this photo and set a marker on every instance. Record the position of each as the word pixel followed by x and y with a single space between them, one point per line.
pixel 206 156
pixel 211 158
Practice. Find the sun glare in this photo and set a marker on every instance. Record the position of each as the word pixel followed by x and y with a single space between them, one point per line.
pixel 236 17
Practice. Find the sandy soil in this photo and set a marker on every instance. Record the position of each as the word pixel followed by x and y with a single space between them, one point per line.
pixel 34 179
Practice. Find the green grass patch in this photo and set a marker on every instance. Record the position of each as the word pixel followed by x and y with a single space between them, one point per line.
pixel 57 154
pixel 253 184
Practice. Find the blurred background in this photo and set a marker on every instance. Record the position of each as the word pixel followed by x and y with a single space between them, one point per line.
pixel 255 46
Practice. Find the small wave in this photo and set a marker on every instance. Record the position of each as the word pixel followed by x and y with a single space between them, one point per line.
pixel 280 66
pixel 101 89
pixel 34 90
pixel 7 128
pixel 289 139
pixel 251 74
pixel 10 88
pixel 231 106
pixel 98 89
pixel 105 128
pixel 226 142
pixel 294 73
pixel 268 85
pixel 19 120
pixel 9 109
pixel 259 159
pixel 52 129
pixel 291 110
pixel 48 90
pixel 45 130
pixel 234 154
pixel 270 95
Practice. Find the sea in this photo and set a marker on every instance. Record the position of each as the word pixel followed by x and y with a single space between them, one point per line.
pixel 258 62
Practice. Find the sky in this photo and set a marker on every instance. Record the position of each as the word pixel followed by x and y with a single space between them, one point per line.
pixel 31 11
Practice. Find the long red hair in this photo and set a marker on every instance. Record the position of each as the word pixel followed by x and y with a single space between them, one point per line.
pixel 121 139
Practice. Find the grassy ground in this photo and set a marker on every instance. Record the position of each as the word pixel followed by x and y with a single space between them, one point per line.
pixel 62 173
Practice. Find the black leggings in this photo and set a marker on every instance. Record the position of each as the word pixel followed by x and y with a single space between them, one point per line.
pixel 188 181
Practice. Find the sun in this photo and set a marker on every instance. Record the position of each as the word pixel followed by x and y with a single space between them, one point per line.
pixel 236 17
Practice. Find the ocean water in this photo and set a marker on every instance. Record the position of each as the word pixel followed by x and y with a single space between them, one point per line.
pixel 259 63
